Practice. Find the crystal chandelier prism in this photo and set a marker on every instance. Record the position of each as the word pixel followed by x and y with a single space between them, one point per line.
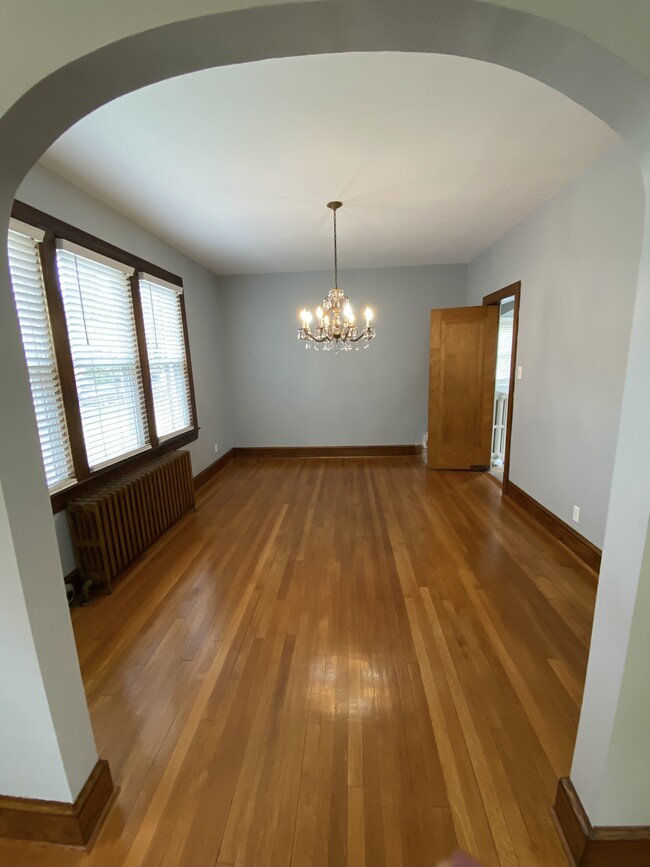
pixel 336 327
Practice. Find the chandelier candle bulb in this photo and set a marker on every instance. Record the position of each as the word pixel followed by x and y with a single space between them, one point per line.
pixel 336 328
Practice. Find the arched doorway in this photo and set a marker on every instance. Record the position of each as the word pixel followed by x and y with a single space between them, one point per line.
pixel 560 58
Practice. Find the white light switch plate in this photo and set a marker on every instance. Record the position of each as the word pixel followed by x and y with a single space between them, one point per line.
pixel 520 371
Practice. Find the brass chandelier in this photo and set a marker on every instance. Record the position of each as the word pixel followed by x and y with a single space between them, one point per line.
pixel 336 327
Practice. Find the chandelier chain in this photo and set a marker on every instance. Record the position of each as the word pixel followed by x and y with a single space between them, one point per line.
pixel 336 257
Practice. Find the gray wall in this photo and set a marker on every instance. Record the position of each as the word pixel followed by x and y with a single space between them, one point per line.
pixel 577 256
pixel 203 300
pixel 286 396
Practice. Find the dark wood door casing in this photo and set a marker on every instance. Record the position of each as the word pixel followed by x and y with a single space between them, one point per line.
pixel 495 299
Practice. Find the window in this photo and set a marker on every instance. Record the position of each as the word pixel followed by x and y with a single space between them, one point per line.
pixel 163 325
pixel 101 333
pixel 504 349
pixel 31 304
pixel 107 353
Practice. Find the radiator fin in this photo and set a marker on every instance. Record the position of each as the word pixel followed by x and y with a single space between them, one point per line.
pixel 118 520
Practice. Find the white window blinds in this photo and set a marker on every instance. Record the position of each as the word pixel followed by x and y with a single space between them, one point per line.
pixel 163 325
pixel 504 349
pixel 29 294
pixel 101 329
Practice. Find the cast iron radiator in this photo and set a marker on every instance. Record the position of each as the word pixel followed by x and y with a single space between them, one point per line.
pixel 116 521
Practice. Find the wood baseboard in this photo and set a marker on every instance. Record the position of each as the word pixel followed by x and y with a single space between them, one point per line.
pixel 581 547
pixel 205 475
pixel 598 847
pixel 55 821
pixel 326 451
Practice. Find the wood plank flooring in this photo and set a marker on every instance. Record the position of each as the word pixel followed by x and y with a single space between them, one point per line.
pixel 336 661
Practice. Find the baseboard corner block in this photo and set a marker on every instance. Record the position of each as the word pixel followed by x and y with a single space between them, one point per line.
pixel 37 821
pixel 600 846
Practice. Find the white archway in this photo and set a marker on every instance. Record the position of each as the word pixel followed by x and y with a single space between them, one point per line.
pixel 610 784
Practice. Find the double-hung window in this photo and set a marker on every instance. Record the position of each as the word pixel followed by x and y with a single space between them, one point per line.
pixel 170 381
pixel 102 337
pixel 33 315
pixel 107 352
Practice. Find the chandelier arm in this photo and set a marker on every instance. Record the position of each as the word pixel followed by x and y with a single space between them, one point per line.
pixel 361 335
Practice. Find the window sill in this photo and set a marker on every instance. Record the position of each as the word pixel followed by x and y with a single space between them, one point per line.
pixel 60 499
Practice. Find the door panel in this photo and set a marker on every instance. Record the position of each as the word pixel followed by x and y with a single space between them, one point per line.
pixel 462 366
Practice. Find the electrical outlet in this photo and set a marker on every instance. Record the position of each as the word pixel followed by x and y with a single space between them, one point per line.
pixel 216 448
pixel 576 514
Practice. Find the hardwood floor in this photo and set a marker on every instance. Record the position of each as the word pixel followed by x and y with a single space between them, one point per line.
pixel 336 661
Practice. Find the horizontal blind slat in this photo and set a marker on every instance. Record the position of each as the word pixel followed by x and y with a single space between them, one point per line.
pixel 38 344
pixel 163 323
pixel 101 328
pixel 504 348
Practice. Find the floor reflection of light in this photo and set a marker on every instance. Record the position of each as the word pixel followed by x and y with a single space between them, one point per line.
pixel 347 686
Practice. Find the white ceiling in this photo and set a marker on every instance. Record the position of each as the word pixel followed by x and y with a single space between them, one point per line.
pixel 434 157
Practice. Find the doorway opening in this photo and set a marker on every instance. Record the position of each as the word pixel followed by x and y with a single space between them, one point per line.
pixel 507 299
pixel 502 386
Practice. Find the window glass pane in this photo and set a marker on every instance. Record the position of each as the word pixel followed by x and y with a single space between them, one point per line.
pixel 504 349
pixel 29 295
pixel 163 324
pixel 101 327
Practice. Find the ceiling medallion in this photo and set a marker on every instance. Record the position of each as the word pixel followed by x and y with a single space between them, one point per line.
pixel 336 329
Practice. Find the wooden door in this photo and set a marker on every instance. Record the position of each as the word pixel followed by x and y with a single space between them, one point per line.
pixel 462 369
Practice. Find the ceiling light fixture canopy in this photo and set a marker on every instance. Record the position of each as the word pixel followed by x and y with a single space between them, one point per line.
pixel 336 327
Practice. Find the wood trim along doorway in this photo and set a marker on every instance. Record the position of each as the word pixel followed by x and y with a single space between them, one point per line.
pixel 514 289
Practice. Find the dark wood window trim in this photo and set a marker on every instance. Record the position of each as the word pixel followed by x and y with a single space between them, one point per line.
pixel 144 360
pixel 61 498
pixel 55 228
pixel 188 362
pixel 47 250
pixel 40 220
pixel 496 298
